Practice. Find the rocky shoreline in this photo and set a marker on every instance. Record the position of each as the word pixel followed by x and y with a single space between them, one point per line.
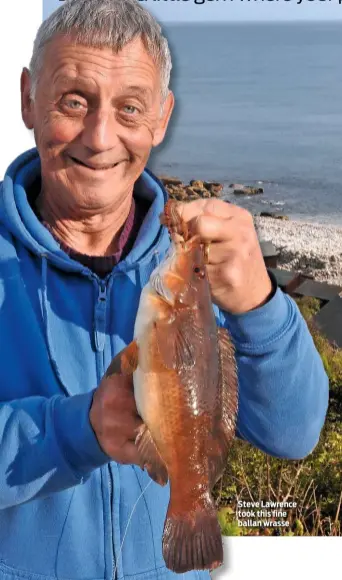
pixel 309 248
pixel 195 189
pixel 312 249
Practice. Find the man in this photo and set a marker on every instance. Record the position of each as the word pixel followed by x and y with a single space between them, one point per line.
pixel 79 238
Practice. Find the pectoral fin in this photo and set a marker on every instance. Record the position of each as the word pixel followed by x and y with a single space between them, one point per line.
pixel 150 457
pixel 226 407
pixel 125 362
pixel 178 341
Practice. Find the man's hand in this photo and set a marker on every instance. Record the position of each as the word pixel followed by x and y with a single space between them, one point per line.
pixel 114 419
pixel 236 269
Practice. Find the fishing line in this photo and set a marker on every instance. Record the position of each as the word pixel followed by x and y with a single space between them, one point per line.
pixel 129 519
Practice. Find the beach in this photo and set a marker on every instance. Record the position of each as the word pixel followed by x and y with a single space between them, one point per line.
pixel 305 247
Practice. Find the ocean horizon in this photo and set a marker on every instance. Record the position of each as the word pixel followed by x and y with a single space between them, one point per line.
pixel 259 103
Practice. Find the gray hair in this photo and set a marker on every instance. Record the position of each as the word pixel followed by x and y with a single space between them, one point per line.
pixel 104 24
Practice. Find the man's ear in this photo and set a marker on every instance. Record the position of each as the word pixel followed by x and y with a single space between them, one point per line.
pixel 26 101
pixel 159 133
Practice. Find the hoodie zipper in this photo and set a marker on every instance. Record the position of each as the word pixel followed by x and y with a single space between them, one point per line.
pixel 111 493
pixel 100 320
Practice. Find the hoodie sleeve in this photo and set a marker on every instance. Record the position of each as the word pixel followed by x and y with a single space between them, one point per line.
pixel 283 387
pixel 46 445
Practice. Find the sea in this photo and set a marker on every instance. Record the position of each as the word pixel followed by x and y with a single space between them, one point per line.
pixel 259 104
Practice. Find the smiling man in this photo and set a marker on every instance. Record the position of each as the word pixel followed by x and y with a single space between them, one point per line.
pixel 79 237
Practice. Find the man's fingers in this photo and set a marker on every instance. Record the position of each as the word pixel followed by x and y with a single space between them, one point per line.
pixel 221 252
pixel 118 381
pixel 224 252
pixel 127 423
pixel 119 386
pixel 128 455
pixel 215 229
pixel 214 207
pixel 211 229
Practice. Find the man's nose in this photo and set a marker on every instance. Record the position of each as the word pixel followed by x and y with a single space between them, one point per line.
pixel 101 130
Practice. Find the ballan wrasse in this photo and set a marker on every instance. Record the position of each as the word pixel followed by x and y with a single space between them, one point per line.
pixel 186 392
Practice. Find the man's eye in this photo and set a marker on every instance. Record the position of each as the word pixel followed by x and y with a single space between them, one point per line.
pixel 73 104
pixel 130 109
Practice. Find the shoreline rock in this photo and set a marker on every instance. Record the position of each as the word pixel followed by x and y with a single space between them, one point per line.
pixel 277 216
pixel 240 189
pixel 195 189
pixel 198 188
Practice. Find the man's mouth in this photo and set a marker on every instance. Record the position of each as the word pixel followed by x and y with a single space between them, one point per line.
pixel 94 166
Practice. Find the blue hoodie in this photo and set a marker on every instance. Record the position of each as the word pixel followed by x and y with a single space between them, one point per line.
pixel 64 506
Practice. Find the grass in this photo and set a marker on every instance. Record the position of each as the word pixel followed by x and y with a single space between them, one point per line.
pixel 314 484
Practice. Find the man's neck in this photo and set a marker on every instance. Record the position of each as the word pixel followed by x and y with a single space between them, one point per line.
pixel 93 235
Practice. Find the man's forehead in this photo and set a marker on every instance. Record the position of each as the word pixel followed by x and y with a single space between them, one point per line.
pixel 65 82
pixel 67 61
pixel 68 77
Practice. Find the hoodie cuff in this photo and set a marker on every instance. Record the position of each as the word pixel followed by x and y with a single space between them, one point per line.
pixel 75 435
pixel 258 328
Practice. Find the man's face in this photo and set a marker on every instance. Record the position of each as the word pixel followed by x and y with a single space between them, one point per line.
pixel 95 117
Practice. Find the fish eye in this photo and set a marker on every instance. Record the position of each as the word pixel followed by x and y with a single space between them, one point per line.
pixel 199 271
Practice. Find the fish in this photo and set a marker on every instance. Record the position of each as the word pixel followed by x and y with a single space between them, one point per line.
pixel 186 392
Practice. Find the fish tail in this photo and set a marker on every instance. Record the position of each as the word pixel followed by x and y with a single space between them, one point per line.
pixel 192 541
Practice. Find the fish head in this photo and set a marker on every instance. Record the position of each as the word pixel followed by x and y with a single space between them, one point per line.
pixel 181 278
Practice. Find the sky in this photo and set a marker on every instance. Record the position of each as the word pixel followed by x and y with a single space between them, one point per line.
pixel 234 10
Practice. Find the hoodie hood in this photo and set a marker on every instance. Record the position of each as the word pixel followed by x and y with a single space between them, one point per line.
pixel 19 218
